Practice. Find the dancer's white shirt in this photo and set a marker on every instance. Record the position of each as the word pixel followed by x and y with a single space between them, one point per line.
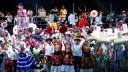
pixel 77 49
pixel 12 53
pixel 48 49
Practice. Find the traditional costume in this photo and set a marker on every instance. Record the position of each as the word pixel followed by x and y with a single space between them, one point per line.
pixel 38 66
pixel 24 62
pixel 51 22
pixel 57 58
pixel 77 52
pixel 44 60
pixel 49 49
pixel 87 59
pixel 120 52
pixel 4 61
pixel 12 58
pixel 102 56
pixel 68 59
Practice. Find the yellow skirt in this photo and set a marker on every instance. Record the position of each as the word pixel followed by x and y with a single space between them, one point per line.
pixel 54 26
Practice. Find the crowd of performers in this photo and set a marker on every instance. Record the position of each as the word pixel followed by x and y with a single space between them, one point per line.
pixel 63 47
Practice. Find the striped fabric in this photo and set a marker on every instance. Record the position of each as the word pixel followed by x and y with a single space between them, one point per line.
pixel 25 62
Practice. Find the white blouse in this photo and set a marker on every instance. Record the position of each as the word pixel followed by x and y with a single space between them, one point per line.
pixel 48 49
pixel 12 53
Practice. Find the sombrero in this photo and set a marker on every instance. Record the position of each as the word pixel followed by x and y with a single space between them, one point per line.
pixel 48 39
pixel 77 38
pixel 79 35
pixel 68 32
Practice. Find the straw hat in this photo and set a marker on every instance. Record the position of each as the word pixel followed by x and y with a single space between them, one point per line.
pixel 68 32
pixel 77 39
pixel 78 34
pixel 48 38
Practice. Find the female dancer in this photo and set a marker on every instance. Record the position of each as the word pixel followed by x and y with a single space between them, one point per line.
pixel 57 57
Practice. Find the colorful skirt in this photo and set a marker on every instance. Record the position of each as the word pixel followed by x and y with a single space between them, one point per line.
pixel 67 68
pixel 56 62
pixel 87 70
pixel 54 25
pixel 55 68
pixel 25 62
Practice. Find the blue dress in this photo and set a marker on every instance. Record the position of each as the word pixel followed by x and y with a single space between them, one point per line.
pixel 25 62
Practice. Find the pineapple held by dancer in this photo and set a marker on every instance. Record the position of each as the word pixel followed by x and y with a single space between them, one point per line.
pixel 38 63
pixel 87 59
pixel 57 57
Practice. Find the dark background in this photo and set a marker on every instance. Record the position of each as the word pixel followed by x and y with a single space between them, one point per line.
pixel 103 5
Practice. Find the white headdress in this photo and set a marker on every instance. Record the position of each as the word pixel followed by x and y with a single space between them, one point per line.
pixel 33 26
pixel 4 24
pixel 15 29
pixel 93 13
pixel 2 39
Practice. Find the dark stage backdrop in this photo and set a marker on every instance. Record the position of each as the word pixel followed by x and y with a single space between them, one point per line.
pixel 10 5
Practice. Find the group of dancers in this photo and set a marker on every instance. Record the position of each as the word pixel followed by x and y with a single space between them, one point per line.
pixel 63 47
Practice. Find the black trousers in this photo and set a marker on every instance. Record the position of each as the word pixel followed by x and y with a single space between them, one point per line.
pixel 13 69
pixel 15 64
pixel 77 62
pixel 49 62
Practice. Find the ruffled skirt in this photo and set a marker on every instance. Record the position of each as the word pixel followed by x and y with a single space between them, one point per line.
pixel 87 70
pixel 67 68
pixel 25 62
pixel 55 68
